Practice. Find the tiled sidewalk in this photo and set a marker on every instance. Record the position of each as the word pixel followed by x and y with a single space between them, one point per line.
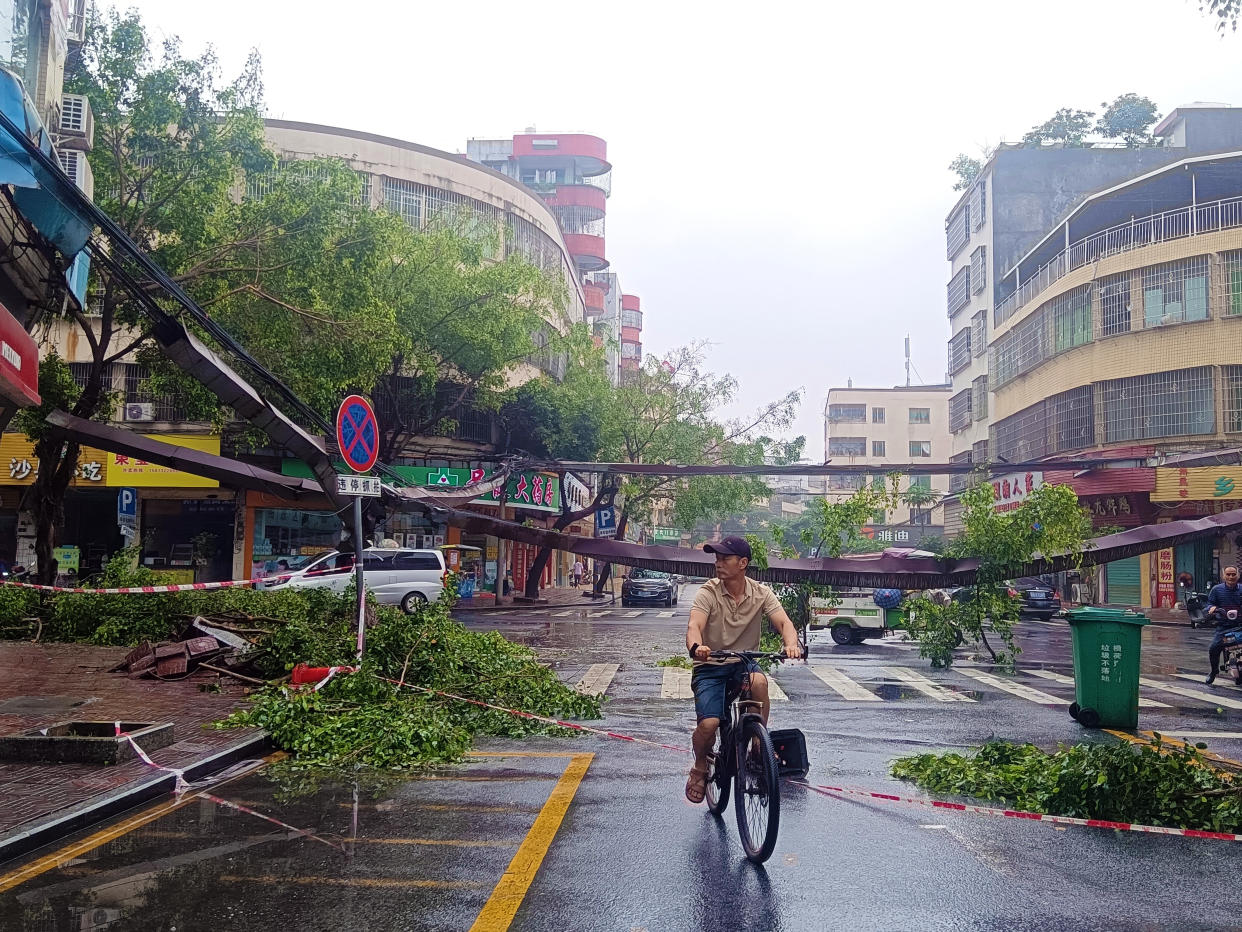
pixel 42 684
pixel 559 596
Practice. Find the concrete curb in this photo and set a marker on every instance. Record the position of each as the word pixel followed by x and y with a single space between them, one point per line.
pixel 96 809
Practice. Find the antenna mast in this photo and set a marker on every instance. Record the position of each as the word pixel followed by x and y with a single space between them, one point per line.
pixel 907 360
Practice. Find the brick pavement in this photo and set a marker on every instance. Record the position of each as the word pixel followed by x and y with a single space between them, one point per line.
pixel 42 684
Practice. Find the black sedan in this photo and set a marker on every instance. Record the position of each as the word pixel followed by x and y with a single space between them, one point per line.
pixel 1039 599
pixel 649 586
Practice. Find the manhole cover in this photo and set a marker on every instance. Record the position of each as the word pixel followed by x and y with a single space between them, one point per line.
pixel 37 705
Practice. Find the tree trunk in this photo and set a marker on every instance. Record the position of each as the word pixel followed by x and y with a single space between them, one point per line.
pixel 57 461
pixel 563 520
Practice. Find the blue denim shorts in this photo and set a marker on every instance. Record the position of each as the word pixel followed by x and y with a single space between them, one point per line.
pixel 711 682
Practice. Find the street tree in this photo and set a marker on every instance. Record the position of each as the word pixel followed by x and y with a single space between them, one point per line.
pixel 1048 521
pixel 1227 13
pixel 171 140
pixel 1067 126
pixel 667 412
pixel 1130 119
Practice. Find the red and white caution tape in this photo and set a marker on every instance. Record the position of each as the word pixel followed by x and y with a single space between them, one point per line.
pixel 871 795
pixel 179 787
pixel 128 590
pixel 302 832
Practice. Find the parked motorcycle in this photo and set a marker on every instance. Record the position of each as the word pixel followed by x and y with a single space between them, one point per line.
pixel 1196 609
pixel 1231 656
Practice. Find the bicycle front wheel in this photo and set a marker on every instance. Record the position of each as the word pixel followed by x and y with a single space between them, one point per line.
pixel 757 794
pixel 718 775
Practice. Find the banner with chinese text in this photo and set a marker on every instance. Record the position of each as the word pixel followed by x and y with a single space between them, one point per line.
pixel 1198 483
pixel 123 470
pixel 18 465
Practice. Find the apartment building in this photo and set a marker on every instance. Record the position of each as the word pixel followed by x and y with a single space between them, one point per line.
pixel 889 428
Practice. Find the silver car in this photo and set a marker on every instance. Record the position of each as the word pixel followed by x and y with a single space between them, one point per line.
pixel 396 576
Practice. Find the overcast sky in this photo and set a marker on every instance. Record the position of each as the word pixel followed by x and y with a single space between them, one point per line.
pixel 779 169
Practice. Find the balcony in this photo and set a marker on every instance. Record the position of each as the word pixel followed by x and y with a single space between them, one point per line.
pixel 588 154
pixel 631 334
pixel 1135 234
pixel 593 298
pixel 957 292
pixel 587 251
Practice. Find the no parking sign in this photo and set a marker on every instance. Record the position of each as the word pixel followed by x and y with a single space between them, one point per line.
pixel 357 433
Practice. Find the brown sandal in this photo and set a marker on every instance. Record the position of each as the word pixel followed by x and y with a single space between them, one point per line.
pixel 696 785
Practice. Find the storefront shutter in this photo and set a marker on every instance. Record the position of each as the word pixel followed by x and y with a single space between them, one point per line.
pixel 1124 582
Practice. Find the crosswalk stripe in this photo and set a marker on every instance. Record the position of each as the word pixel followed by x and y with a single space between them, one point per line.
pixel 924 685
pixel 841 684
pixel 665 614
pixel 606 611
pixel 775 693
pixel 597 679
pixel 632 614
pixel 676 684
pixel 1014 689
pixel 1213 698
pixel 564 614
pixel 1069 681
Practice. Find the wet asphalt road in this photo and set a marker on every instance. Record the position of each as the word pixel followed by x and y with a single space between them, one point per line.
pixel 602 835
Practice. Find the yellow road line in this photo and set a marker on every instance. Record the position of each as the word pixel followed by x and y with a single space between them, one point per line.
pixel 1146 738
pixel 523 754
pixel 91 842
pixel 502 905
pixel 432 842
pixel 353 881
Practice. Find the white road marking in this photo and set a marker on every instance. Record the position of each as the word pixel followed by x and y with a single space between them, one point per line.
pixel 665 614
pixel 598 678
pixel 1200 735
pixel 632 614
pixel 1213 698
pixel 1069 681
pixel 1014 689
pixel 606 611
pixel 565 614
pixel 775 693
pixel 924 685
pixel 676 684
pixel 841 684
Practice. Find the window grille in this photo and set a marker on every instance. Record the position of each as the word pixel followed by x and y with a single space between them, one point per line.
pixel 847 446
pixel 1071 319
pixel 959 351
pixel 878 448
pixel 1231 268
pixel 1231 388
pixel 959 481
pixel 847 414
pixel 166 407
pixel 979 333
pixel 1115 305
pixel 978 204
pixel 979 451
pixel 960 407
pixel 1073 419
pixel 957 231
pixel 1175 292
pixel 978 269
pixel 958 290
pixel 1162 404
pixel 979 389
pixel 632 319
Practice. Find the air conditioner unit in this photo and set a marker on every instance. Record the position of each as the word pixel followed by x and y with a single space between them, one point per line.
pixel 77 122
pixel 78 169
pixel 139 411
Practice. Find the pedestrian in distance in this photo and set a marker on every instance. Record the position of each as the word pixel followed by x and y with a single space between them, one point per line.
pixel 576 573
pixel 1223 597
pixel 728 615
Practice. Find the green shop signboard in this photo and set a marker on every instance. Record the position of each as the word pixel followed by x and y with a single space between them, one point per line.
pixel 666 534
pixel 535 491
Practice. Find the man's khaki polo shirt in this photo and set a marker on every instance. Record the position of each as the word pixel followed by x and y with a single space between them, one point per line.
pixel 734 625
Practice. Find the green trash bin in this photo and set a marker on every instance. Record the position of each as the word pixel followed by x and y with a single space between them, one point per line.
pixel 1107 644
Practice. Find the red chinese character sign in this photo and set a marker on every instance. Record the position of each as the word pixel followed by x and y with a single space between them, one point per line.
pixel 357 433
pixel 1011 491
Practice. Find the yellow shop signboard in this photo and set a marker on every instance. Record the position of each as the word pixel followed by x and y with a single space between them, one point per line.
pixel 1198 484
pixel 123 470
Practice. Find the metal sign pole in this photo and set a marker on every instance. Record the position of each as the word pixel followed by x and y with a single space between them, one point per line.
pixel 358 581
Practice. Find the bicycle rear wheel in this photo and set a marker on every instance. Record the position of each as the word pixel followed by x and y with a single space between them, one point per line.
pixel 757 798
pixel 718 775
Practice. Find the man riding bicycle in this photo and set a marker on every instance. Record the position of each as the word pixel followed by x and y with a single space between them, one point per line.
pixel 728 615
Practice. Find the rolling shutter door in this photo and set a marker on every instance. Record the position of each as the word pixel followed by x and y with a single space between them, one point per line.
pixel 1124 582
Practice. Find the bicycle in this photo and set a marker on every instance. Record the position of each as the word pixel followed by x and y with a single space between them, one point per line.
pixel 743 754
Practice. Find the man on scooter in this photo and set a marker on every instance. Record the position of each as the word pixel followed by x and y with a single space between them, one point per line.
pixel 1223 597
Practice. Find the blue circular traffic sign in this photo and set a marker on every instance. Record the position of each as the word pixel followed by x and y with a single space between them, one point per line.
pixel 357 433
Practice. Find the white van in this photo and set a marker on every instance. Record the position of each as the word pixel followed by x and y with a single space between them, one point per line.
pixel 408 578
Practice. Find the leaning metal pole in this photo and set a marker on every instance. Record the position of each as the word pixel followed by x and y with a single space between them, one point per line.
pixel 358 580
